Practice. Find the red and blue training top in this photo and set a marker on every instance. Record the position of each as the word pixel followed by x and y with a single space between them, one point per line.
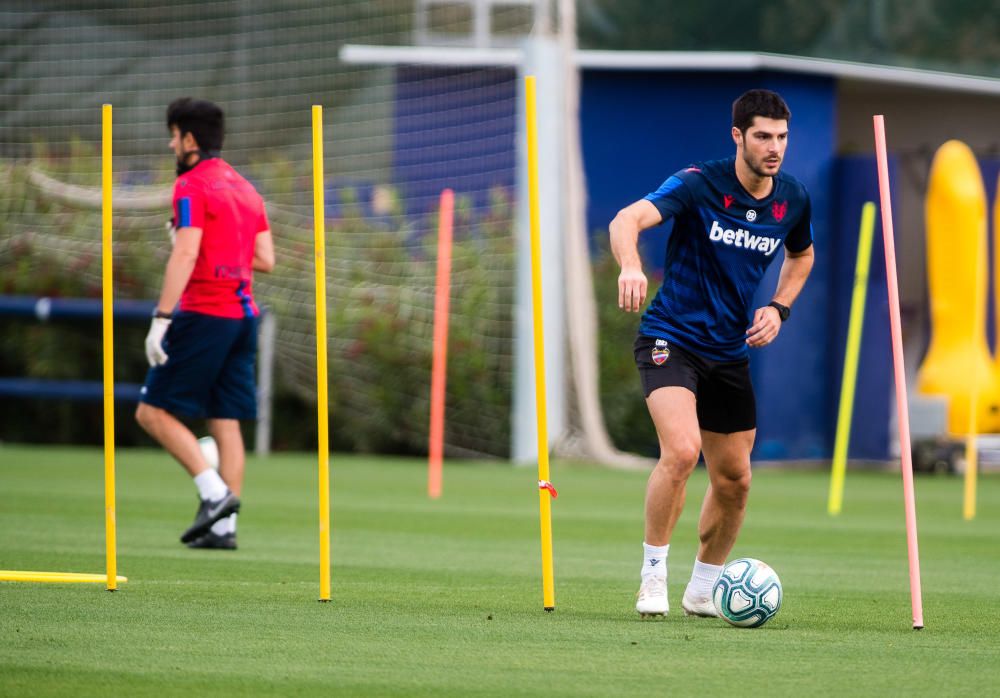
pixel 214 197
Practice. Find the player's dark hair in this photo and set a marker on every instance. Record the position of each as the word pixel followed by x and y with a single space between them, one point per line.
pixel 202 119
pixel 764 103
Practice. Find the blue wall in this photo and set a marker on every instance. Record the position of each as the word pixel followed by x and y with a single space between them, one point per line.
pixel 453 128
pixel 990 168
pixel 640 127
pixel 457 128
pixel 856 181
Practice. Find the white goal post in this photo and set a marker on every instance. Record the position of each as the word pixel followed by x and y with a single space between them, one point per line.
pixel 575 419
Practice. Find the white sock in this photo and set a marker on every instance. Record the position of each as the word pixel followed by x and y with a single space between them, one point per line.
pixel 654 560
pixel 703 578
pixel 210 485
pixel 224 526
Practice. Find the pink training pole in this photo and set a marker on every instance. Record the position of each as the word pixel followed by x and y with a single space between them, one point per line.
pixel 902 405
pixel 439 370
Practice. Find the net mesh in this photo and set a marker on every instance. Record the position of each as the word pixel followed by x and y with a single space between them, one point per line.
pixel 393 139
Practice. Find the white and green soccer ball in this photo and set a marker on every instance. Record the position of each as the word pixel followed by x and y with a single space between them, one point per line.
pixel 747 593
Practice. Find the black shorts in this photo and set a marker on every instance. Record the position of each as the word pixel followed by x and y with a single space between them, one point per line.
pixel 722 389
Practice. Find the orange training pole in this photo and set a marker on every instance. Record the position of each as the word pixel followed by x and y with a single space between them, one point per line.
pixel 439 369
pixel 902 406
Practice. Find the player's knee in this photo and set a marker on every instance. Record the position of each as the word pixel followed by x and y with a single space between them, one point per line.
pixel 146 416
pixel 734 488
pixel 680 457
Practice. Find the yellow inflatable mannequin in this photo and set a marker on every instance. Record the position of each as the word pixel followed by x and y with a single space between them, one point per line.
pixel 996 282
pixel 958 363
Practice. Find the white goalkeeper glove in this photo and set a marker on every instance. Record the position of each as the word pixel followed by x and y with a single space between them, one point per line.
pixel 154 341
pixel 172 232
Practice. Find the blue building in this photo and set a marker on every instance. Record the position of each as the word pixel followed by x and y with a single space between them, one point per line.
pixel 645 115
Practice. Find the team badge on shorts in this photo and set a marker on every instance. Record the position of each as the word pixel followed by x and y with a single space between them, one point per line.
pixel 661 352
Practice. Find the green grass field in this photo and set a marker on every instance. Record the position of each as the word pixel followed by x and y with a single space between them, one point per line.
pixel 444 597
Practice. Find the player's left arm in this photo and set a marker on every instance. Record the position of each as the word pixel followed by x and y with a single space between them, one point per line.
pixel 792 278
pixel 263 244
pixel 799 257
pixel 175 279
pixel 794 272
pixel 263 252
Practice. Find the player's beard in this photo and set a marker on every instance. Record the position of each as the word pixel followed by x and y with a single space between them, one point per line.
pixel 182 162
pixel 757 166
pixel 183 167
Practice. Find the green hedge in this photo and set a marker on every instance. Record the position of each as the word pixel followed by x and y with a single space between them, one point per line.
pixel 622 401
pixel 380 299
pixel 380 296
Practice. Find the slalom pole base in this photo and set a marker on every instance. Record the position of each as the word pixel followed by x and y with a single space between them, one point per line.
pixel 55 577
pixel 323 600
pixel 549 609
pixel 918 627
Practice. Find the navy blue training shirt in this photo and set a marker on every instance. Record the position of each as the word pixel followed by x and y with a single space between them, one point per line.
pixel 722 242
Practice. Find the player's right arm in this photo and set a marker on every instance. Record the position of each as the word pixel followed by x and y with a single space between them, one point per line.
pixel 625 229
pixel 179 267
pixel 183 257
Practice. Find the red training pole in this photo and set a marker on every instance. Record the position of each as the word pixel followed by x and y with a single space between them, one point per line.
pixel 902 406
pixel 439 369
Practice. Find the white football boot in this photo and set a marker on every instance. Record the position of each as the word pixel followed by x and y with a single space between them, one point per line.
pixel 652 595
pixel 698 606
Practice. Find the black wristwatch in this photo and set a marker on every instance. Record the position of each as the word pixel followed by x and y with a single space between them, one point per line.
pixel 783 310
pixel 157 313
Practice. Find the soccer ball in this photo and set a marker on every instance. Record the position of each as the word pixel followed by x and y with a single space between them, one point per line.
pixel 747 593
pixel 210 450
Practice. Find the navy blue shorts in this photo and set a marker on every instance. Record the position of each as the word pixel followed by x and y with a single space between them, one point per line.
pixel 209 370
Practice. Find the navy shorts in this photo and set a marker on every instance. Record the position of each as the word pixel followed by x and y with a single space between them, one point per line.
pixel 209 370
pixel 722 389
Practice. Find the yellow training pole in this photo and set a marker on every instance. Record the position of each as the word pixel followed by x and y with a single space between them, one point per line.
pixel 544 489
pixel 54 577
pixel 971 448
pixel 971 454
pixel 111 577
pixel 850 377
pixel 322 408
pixel 110 533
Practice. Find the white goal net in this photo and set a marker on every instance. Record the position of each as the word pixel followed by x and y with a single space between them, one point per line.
pixel 395 136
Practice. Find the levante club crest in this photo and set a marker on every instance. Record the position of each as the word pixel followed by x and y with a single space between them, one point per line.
pixel 661 352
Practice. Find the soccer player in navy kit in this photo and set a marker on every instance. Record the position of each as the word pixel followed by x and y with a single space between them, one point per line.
pixel 730 216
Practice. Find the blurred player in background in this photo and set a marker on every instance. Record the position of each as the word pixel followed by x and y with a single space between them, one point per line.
pixel 202 352
pixel 729 216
